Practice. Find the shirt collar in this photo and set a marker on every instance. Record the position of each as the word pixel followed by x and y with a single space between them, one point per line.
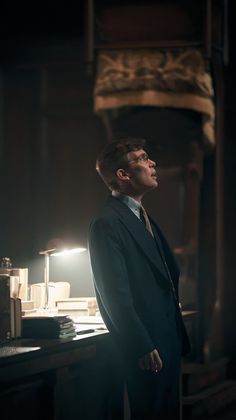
pixel 133 204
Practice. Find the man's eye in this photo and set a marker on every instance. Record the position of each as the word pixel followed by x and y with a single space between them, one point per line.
pixel 144 158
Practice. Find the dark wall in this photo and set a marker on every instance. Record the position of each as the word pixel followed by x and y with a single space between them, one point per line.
pixel 50 138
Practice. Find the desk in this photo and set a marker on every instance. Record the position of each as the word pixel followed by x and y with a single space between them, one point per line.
pixel 62 379
pixel 56 379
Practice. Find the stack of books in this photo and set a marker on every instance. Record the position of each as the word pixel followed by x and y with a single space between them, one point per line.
pixel 10 310
pixel 27 308
pixel 18 281
pixel 80 306
pixel 59 326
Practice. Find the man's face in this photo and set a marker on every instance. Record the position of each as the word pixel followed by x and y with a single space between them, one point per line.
pixel 142 171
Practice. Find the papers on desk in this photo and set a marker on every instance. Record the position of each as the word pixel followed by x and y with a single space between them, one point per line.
pixel 97 320
pixel 86 324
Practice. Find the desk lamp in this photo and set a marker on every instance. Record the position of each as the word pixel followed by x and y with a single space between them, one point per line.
pixel 54 252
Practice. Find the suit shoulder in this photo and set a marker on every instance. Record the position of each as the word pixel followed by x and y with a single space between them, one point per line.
pixel 106 216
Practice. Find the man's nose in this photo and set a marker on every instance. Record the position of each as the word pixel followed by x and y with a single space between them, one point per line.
pixel 152 163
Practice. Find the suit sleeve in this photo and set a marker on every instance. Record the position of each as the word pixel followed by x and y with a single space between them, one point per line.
pixel 111 279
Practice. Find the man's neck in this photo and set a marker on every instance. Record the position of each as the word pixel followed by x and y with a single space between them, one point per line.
pixel 135 197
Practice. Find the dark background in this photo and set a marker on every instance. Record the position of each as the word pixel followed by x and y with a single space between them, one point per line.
pixel 50 138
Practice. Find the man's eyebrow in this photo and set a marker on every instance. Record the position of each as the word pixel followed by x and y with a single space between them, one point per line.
pixel 143 153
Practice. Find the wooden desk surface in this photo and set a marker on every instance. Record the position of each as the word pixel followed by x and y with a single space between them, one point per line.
pixel 24 357
pixel 56 379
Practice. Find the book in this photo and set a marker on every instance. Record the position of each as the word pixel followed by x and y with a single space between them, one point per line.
pixel 12 318
pixel 74 312
pixel 25 312
pixel 18 281
pixel 10 310
pixel 59 326
pixel 6 326
pixel 77 306
pixel 27 305
pixel 17 317
pixel 71 304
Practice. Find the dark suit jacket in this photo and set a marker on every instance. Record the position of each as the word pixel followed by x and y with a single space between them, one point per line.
pixel 132 287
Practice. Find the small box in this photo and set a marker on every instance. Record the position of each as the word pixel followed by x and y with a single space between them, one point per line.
pixel 77 306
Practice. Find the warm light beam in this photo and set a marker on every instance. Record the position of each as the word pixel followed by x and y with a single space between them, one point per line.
pixel 68 252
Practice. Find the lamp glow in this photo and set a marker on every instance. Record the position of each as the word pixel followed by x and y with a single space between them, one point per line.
pixel 53 252
pixel 68 252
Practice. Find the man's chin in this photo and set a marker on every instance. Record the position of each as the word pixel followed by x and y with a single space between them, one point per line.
pixel 155 183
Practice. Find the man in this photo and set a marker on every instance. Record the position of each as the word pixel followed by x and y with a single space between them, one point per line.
pixel 136 283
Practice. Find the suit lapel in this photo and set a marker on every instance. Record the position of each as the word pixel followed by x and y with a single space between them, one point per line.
pixel 140 234
pixel 166 248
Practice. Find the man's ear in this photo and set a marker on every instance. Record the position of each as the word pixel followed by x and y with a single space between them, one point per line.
pixel 122 175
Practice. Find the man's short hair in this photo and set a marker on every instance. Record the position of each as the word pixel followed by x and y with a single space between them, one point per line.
pixel 114 156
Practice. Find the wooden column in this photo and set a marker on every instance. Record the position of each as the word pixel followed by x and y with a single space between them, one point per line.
pixel 214 343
